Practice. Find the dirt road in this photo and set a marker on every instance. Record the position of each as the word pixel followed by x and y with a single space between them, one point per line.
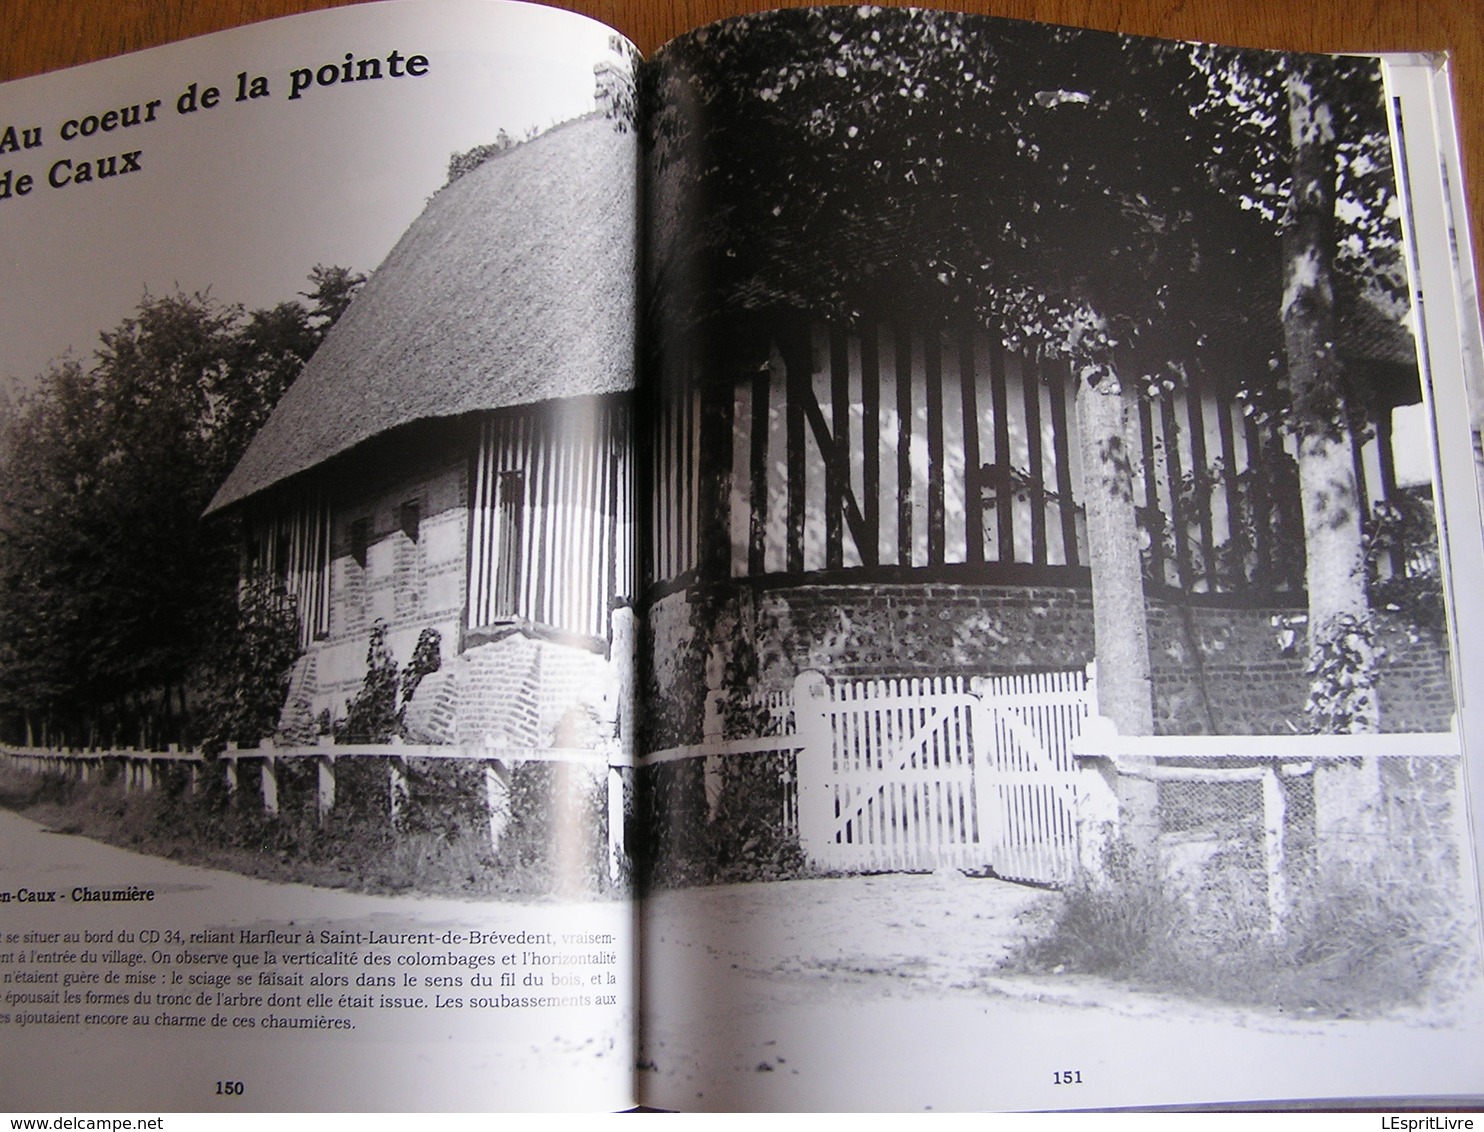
pixel 883 993
pixel 417 1059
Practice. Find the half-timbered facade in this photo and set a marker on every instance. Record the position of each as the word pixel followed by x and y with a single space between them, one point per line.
pixel 895 452
pixel 890 499
pixel 456 458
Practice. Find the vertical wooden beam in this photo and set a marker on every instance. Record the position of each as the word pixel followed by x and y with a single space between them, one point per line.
pixel 973 490
pixel 667 484
pixel 1173 476
pixel 1062 457
pixel 1386 455
pixel 616 443
pixel 1196 416
pixel 798 364
pixel 1388 481
pixel 1004 512
pixel 1030 385
pixel 757 475
pixel 932 346
pixel 903 338
pixel 1357 462
pixel 479 526
pixel 871 442
pixel 837 457
pixel 1262 518
pixel 1234 534
pixel 711 454
pixel 537 566
pixel 1151 492
pixel 649 470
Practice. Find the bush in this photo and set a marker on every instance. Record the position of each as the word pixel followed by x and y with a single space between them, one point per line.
pixel 683 842
pixel 246 675
pixel 555 843
pixel 372 716
pixel 1351 945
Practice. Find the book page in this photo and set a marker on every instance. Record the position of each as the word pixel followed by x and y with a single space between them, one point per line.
pixel 1053 661
pixel 317 346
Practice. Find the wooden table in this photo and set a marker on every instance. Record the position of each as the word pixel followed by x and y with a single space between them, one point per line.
pixel 43 35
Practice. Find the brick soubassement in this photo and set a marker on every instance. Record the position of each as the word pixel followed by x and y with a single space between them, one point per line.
pixel 1218 670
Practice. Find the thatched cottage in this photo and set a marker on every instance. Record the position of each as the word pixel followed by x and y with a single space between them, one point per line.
pixel 455 456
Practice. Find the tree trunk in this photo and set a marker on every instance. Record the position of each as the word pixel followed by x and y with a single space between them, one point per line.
pixel 1339 613
pixel 1120 628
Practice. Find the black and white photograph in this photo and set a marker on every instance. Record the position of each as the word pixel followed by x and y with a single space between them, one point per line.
pixel 314 540
pixel 1043 589
pixel 877 560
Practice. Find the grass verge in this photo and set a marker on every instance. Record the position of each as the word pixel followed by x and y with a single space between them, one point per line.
pixel 1352 945
pixel 439 844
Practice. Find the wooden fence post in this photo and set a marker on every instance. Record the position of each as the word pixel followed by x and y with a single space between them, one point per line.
pixel 617 850
pixel 269 779
pixel 1273 815
pixel 396 787
pixel 325 794
pixel 816 745
pixel 497 800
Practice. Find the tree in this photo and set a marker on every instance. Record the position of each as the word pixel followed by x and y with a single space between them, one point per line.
pixel 1340 646
pixel 1052 185
pixel 113 592
pixel 1111 202
pixel 1317 168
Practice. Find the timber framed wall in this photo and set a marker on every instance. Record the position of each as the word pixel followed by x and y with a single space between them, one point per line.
pixel 291 547
pixel 551 518
pixel 817 501
pixel 890 452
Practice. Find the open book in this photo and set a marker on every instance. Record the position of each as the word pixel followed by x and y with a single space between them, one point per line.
pixel 877 559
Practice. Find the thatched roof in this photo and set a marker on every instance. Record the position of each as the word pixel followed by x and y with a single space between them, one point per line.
pixel 514 286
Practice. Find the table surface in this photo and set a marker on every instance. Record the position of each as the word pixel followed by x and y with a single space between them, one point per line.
pixel 43 35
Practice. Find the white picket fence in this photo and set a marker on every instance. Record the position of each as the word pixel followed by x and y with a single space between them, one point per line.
pixel 922 773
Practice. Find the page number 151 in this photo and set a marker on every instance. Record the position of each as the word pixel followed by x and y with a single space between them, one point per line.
pixel 1067 1077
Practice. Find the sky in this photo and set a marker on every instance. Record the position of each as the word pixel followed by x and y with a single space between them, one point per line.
pixel 243 198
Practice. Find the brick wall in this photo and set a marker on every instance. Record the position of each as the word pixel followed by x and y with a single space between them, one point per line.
pixel 1218 670
pixel 409 583
pixel 1223 671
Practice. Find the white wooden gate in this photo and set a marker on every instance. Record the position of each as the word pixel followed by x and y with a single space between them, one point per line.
pixel 916 774
pixel 1026 783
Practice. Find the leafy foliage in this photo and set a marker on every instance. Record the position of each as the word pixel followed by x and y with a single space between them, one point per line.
pixel 427 658
pixel 372 715
pixel 113 592
pixel 1342 674
pixel 1063 187
pixel 1402 565
pixel 1352 945
pixel 246 675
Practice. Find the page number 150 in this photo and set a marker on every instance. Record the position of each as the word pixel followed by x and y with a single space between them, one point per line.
pixel 1067 1077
